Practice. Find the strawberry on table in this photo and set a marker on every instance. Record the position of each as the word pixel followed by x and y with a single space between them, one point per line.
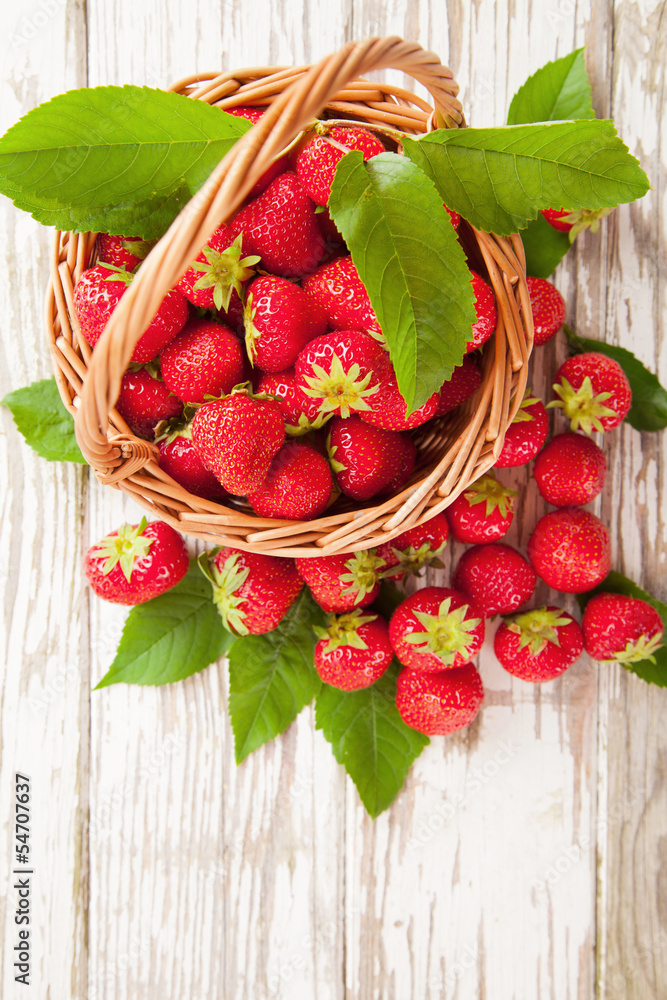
pixel 439 703
pixel 367 460
pixel 145 401
pixel 219 273
pixel 575 221
pixel 353 650
pixel 593 392
pixel 538 645
pixel 122 251
pixel 316 163
pixel 485 307
pixel 557 217
pixel 279 320
pixel 483 512
pixel 337 287
pixel 341 371
pixel 423 545
pixel 204 359
pixel 570 470
pixel 570 550
pixel 343 582
pixel 252 592
pixel 136 563
pixel 621 629
pixel 496 577
pixel 548 307
pixel 436 628
pixel 525 435
pixel 297 487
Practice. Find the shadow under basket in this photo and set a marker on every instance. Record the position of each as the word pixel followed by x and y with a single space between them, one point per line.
pixel 453 450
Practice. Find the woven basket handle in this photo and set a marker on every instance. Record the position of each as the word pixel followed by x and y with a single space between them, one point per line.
pixel 216 202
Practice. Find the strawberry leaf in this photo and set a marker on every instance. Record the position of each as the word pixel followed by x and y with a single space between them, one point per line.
pixel 389 212
pixel 558 91
pixel 272 676
pixel 171 637
pixel 616 583
pixel 545 247
pixel 500 178
pixel 649 399
pixel 114 159
pixel 369 738
pixel 41 417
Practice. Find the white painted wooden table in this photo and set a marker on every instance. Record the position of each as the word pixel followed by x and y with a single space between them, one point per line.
pixel 526 858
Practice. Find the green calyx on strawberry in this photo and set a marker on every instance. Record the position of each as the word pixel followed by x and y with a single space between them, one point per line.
pixel 423 545
pixel 343 630
pixel 447 634
pixel 577 221
pixel 538 627
pixel 118 274
pixel 593 392
pixel 343 582
pixel 621 629
pixel 123 547
pixel 488 490
pixel 582 406
pixel 361 574
pixel 225 271
pixel 227 581
pixel 412 560
pixel 340 391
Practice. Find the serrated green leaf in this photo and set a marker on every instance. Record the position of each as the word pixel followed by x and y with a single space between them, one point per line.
pixel 649 399
pixel 171 637
pixel 388 212
pixel 500 178
pixel 616 583
pixel 558 91
pixel 117 159
pixel 369 738
pixel 272 676
pixel 42 419
pixel 545 247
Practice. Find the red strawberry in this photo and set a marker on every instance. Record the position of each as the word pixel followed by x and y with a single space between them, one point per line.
pixel 548 307
pixel 251 591
pixel 353 651
pixel 556 217
pixel 253 114
pixel 525 435
pixel 593 392
pixel 179 460
pixel 236 437
pixel 570 549
pixel 343 582
pixel 496 577
pixel 341 371
pixel 621 629
pixel 122 251
pixel 466 379
pixel 205 359
pixel 337 287
pixel 455 217
pixel 316 163
pixel 439 703
pixel 387 407
pixel 483 512
pixel 98 292
pixel 436 628
pixel 280 319
pixel 574 222
pixel 281 226
pixel 415 548
pixel 485 307
pixel 299 411
pixel 297 487
pixel 136 563
pixel 219 273
pixel 538 645
pixel 332 237
pixel 570 470
pixel 144 401
pixel 367 460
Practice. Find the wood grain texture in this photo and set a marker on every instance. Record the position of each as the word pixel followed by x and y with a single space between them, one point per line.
pixel 526 856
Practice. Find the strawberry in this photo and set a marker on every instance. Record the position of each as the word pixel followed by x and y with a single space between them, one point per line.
pixel 496 577
pixel 253 114
pixel 137 562
pixel 236 437
pixel 483 512
pixel 334 241
pixel 487 316
pixel 367 460
pixel 593 392
pixel 621 629
pixel 280 225
pixel 570 470
pixel 353 651
pixel 316 163
pixel 98 292
pixel 455 217
pixel 219 273
pixel 525 435
pixel 297 487
pixel 122 251
pixel 280 319
pixel 337 287
pixel 415 548
pixel 205 359
pixel 387 408
pixel 179 460
pixel 538 645
pixel 466 379
pixel 548 308
pixel 251 591
pixel 439 703
pixel 570 550
pixel 436 628
pixel 556 217
pixel 144 401
pixel 341 371
pixel 343 582
pixel 574 222
pixel 299 411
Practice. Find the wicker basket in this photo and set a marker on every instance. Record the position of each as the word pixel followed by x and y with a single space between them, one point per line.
pixel 453 450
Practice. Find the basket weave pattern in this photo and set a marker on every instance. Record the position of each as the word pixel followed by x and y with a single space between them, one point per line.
pixel 453 450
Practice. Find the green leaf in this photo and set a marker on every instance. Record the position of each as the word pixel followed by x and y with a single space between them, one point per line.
pixel 116 159
pixel 616 583
pixel 558 91
pixel 272 676
pixel 171 637
pixel 545 247
pixel 649 400
pixel 41 417
pixel 388 213
pixel 500 178
pixel 369 738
